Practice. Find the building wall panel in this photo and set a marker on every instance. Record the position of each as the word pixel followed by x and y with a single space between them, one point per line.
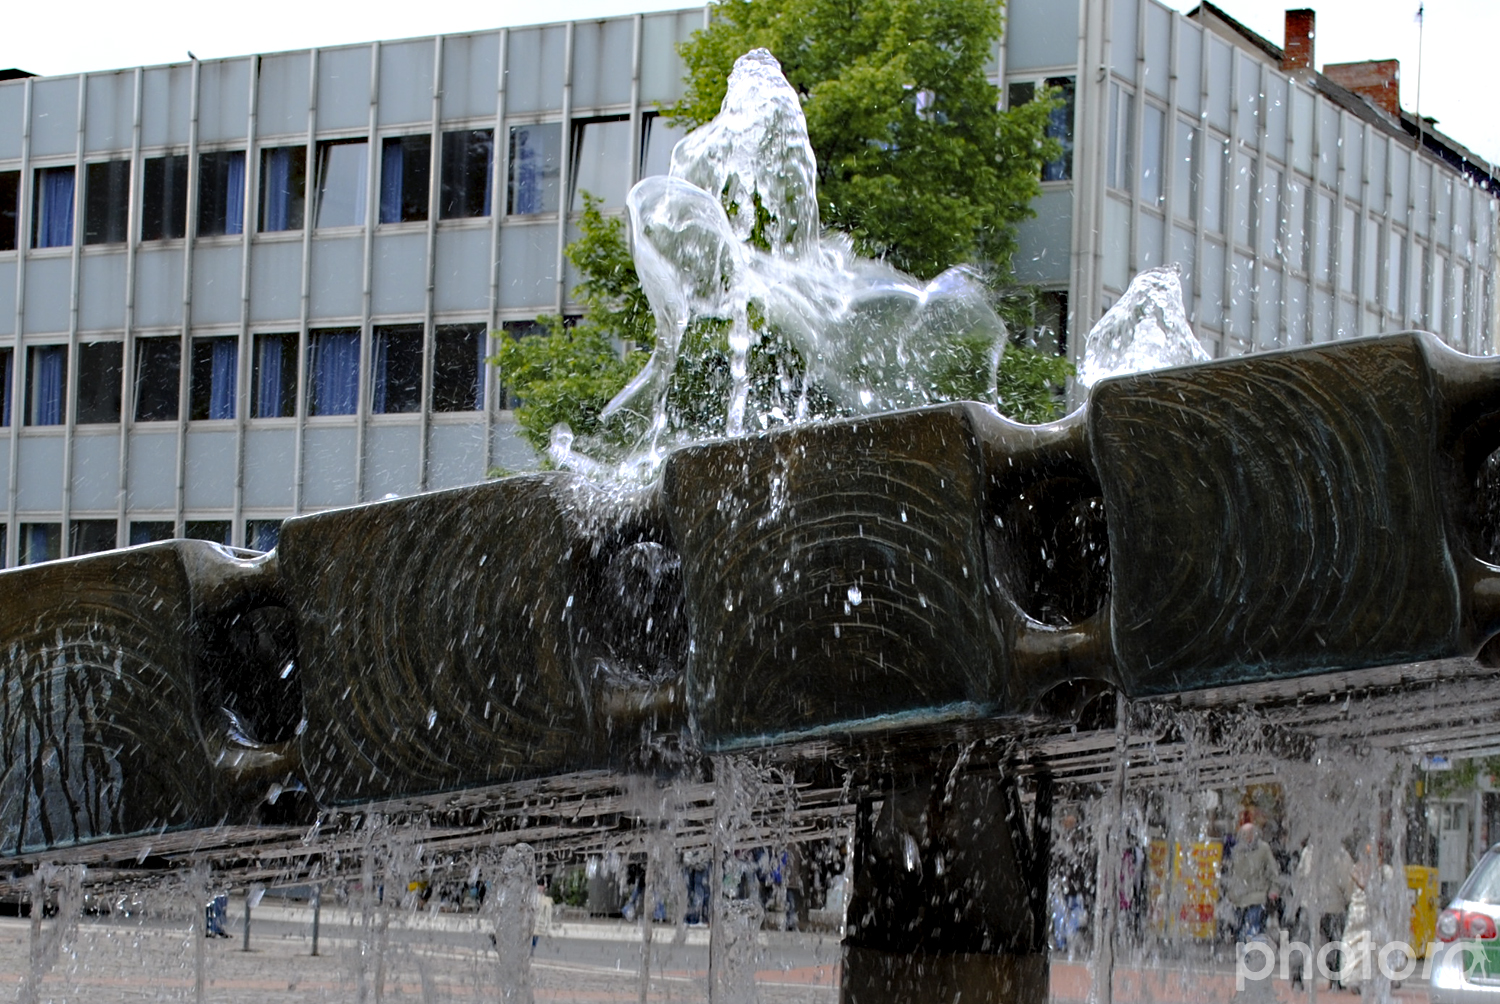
pixel 1122 37
pixel 39 473
pixel 601 62
pixel 344 87
pixel 661 66
pixel 1045 241
pixel 210 469
pixel 276 281
pixel 158 287
pixel 12 110
pixel 96 471
pixel 48 287
pixel 328 466
pixel 471 73
pixel 1041 35
pixel 527 258
pixel 463 266
pixel 152 469
pixel 101 291
pixel 406 82
pixel 5 435
pixel 216 284
pixel 108 122
pixel 270 464
pixel 337 276
pixel 508 451
pixel 455 456
pixel 224 101
pixel 389 469
pixel 282 109
pixel 54 116
pixel 400 274
pixel 534 69
pixel 166 105
pixel 8 297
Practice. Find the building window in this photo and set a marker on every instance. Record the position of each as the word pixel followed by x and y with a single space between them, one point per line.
pixel 657 142
pixel 517 329
pixel 458 367
pixel 215 365
pixel 343 183
pixel 52 223
pixel 1153 138
pixel 262 534
pixel 601 150
pixel 10 208
pixel 283 187
pixel 90 536
pixel 47 372
pixel 535 168
pixel 106 202
pixel 221 193
pixel 6 379
pixel 40 542
pixel 164 198
pixel 333 372
pixel 3 542
pixel 158 368
pixel 1059 123
pixel 468 167
pixel 404 171
pixel 99 368
pixel 273 382
pixel 397 378
pixel 151 531
pixel 1122 116
pixel 216 531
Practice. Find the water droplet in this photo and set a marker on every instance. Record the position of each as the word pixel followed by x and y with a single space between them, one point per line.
pixel 431 717
pixel 855 596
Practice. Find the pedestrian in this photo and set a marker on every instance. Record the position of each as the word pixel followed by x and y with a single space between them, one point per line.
pixel 1253 881
pixel 1325 882
pixel 541 914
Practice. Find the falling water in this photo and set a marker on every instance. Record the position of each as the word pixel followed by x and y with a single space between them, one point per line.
pixel 1146 329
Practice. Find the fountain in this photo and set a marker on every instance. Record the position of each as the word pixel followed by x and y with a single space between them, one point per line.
pixel 942 617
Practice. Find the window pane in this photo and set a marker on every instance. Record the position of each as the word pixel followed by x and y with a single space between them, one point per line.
pixel 273 384
pixel 90 536
pixel 1214 154
pixel 404 164
pixel 1185 186
pixel 262 534
pixel 457 368
pixel 46 372
pixel 99 366
pixel 212 386
pixel 1122 113
pixel 343 180
pixel 468 166
pixel 283 187
pixel 215 530
pixel 601 153
pixel 7 379
pixel 158 367
pixel 150 531
pixel 517 329
pixel 333 372
pixel 658 139
pixel 10 209
pixel 106 193
pixel 1244 198
pixel 221 193
pixel 396 384
pixel 164 199
pixel 40 542
pixel 1153 124
pixel 52 214
pixel 3 549
pixel 1294 226
pixel 535 168
pixel 1060 128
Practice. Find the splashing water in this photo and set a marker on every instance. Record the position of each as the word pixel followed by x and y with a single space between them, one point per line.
pixel 1147 329
pixel 761 320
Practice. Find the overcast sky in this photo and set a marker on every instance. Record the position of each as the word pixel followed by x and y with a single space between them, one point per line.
pixel 1461 36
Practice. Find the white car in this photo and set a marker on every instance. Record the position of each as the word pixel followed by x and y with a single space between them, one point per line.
pixel 1468 965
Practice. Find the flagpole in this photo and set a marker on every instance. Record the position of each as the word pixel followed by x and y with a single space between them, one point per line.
pixel 1421 28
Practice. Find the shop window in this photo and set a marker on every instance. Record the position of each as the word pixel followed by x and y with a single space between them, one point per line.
pixel 158 370
pixel 601 152
pixel 283 187
pixel 221 193
pixel 46 376
pixel 216 531
pixel 273 379
pixel 458 367
pixel 10 211
pixel 99 366
pixel 7 379
pixel 535 168
pixel 40 542
pixel 468 167
pixel 52 215
pixel 333 372
pixel 262 534
pixel 343 183
pixel 404 171
pixel 106 202
pixel 90 536
pixel 211 388
pixel 397 377
pixel 151 531
pixel 164 198
pixel 657 141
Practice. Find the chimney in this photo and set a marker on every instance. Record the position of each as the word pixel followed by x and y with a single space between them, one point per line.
pixel 1378 81
pixel 1297 53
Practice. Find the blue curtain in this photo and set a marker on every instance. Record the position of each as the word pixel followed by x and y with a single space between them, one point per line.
pixel 528 174
pixel 489 176
pixel 234 196
pixel 221 387
pixel 263 535
pixel 4 392
pixel 392 159
pixel 55 209
pixel 335 365
pixel 268 378
pixel 47 384
pixel 278 189
pixel 40 545
pixel 381 353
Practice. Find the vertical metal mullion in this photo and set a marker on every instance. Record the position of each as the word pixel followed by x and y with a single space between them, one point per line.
pixel 19 363
pixel 565 173
pixel 1283 200
pixel 434 205
pixel 189 238
pixel 1137 142
pixel 243 354
pixel 1226 212
pixel 127 337
pixel 309 219
pixel 366 299
pixel 1335 226
pixel 1169 141
pixel 1258 161
pixel 1200 156
pixel 636 124
pixel 499 203
pixel 70 390
pixel 1411 235
pixel 1090 129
